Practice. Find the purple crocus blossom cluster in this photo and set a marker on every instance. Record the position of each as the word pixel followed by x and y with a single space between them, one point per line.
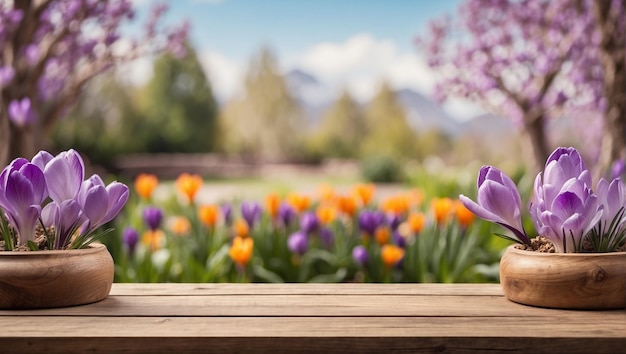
pixel 565 209
pixel 52 191
pixel 309 227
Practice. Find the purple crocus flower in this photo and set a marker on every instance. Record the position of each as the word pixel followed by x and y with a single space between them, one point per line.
pixel 399 239
pixel 498 201
pixel 64 174
pixel 370 220
pixel 20 112
pixel 327 237
pixel 101 203
pixel 360 255
pixel 251 212
pixel 612 197
pixel 66 217
pixel 286 213
pixel 227 213
pixel 152 217
pixel 565 207
pixel 22 190
pixel 130 237
pixel 298 243
pixel 309 222
pixel 393 220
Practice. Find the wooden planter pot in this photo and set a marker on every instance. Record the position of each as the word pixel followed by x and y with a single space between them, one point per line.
pixel 43 279
pixel 564 280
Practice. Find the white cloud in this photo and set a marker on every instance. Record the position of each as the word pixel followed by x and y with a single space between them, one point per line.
pixel 361 62
pixel 462 109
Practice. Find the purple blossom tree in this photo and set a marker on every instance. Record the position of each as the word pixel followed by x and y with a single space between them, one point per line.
pixel 51 48
pixel 531 60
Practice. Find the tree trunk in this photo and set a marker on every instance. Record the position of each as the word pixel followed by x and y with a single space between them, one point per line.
pixel 5 140
pixel 534 129
pixel 613 60
pixel 23 142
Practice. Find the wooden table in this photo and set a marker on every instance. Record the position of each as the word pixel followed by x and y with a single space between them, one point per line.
pixel 184 318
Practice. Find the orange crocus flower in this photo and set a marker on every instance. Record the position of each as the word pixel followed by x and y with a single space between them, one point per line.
pixel 189 185
pixel 241 228
pixel 364 192
pixel 396 205
pixel 416 222
pixel 347 205
pixel 299 202
pixel 180 226
pixel 145 184
pixel 442 208
pixel 241 250
pixel 463 215
pixel 326 193
pixel 382 235
pixel 391 254
pixel 208 214
pixel 326 213
pixel 153 239
pixel 272 202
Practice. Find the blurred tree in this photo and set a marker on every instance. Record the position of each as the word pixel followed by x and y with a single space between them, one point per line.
pixel 387 130
pixel 100 123
pixel 51 49
pixel 517 58
pixel 178 108
pixel 266 122
pixel 610 19
pixel 341 130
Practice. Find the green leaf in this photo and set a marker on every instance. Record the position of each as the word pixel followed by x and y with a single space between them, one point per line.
pixel 266 275
pixel 336 277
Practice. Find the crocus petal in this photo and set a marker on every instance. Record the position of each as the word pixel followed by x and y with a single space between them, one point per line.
pixel 501 201
pixel 118 196
pixel 62 181
pixel 19 192
pixel 95 204
pixel 50 214
pixel 41 159
pixel 37 180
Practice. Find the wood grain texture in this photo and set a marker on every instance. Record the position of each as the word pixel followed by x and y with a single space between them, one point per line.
pixel 564 280
pixel 55 278
pixel 346 318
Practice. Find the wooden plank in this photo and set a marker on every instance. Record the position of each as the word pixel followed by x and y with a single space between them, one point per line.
pixel 192 289
pixel 316 334
pixel 313 305
pixel 464 318
pixel 331 345
pixel 318 327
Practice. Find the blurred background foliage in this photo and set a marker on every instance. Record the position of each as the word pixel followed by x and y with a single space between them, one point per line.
pixel 176 112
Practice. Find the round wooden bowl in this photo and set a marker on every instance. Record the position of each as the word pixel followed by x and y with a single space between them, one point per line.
pixel 564 280
pixel 43 279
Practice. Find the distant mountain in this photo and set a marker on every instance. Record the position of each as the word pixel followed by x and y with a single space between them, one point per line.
pixel 422 113
pixel 488 125
pixel 310 93
pixel 425 114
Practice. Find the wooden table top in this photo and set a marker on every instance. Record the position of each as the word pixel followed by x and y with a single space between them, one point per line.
pixel 184 318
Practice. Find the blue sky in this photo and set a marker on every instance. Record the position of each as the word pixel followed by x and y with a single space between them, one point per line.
pixel 343 43
pixel 239 27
